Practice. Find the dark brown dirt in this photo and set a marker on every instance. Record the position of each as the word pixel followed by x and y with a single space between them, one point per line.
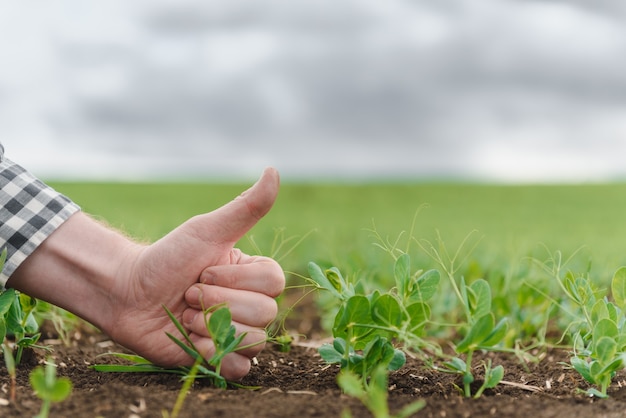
pixel 299 384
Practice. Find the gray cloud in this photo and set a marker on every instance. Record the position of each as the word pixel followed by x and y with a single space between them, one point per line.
pixel 412 87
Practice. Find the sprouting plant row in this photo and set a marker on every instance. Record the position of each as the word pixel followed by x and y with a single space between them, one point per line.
pixel 597 326
pixel 372 329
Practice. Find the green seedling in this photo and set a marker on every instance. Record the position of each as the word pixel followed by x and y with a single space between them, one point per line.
pixel 48 387
pixel 218 321
pixel 374 394
pixel 481 330
pixel 284 342
pixel 16 320
pixel 598 328
pixel 600 365
pixel 400 313
pixel 366 324
pixel 9 362
pixel 493 375
pixel 600 344
pixel 483 334
pixel 377 353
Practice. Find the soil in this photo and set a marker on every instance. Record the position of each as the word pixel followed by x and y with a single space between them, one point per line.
pixel 299 384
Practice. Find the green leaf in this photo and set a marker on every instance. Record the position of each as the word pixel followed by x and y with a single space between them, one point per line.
pixel 605 350
pixel 599 311
pixel 27 303
pixel 135 368
pixel 425 287
pixel 478 333
pixel 28 341
pixel 129 357
pixel 402 275
pixel 398 360
pixel 351 384
pixel 378 351
pixel 494 377
pixel 30 324
pixel 497 334
pixel 180 329
pixel 613 366
pixel 480 298
pixel 229 347
pixel 355 364
pixel 50 387
pixel 411 409
pixel 456 365
pixel 419 314
pixel 340 345
pixel 329 354
pixel 586 296
pixel 595 369
pixel 355 311
pixel 386 311
pixel 317 275
pixel 618 287
pixel 604 328
pixel 336 279
pixel 6 300
pixel 14 317
pixel 192 352
pixel 614 312
pixel 220 327
pixel 582 367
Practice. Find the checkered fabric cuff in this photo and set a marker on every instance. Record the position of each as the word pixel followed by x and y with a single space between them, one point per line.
pixel 29 212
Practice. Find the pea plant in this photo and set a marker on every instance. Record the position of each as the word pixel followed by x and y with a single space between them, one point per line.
pixel 48 387
pixel 482 332
pixel 598 326
pixel 375 395
pixel 16 318
pixel 366 324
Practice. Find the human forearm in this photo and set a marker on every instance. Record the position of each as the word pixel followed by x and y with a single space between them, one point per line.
pixel 77 267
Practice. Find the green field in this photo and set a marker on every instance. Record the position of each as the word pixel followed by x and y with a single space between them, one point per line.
pixel 512 221
pixel 412 288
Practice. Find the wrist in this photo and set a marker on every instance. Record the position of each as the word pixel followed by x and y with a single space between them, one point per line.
pixel 81 267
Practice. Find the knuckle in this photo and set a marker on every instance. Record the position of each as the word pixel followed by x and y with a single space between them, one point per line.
pixel 212 297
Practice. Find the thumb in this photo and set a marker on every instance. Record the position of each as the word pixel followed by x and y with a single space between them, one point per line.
pixel 233 220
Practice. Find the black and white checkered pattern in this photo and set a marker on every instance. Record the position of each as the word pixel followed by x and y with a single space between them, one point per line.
pixel 29 212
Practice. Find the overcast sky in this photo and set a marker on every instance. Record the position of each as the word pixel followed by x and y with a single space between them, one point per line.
pixel 496 90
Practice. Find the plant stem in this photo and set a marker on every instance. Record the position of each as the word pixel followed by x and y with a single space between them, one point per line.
pixel 189 379
pixel 45 409
pixel 468 378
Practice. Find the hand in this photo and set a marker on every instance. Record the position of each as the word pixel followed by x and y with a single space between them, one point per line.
pixel 121 286
pixel 203 247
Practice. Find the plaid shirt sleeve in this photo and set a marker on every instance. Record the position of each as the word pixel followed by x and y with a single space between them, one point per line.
pixel 29 212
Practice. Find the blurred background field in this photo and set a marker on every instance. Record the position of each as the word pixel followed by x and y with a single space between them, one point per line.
pixel 331 223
